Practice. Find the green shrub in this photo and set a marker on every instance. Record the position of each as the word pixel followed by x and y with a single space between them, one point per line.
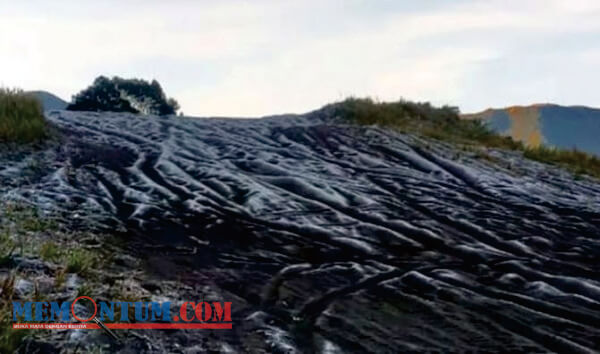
pixel 50 251
pixel 21 117
pixel 81 261
pixel 399 113
pixel 124 95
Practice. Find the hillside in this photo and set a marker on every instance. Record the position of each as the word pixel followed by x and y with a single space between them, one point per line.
pixel 326 236
pixel 49 101
pixel 553 125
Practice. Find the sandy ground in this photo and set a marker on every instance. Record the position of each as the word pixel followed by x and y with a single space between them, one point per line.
pixel 327 237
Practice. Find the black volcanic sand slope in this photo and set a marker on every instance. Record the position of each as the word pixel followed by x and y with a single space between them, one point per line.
pixel 336 238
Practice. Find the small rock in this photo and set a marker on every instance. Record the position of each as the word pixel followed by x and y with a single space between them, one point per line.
pixel 32 265
pixel 151 286
pixel 73 282
pixel 45 284
pixel 125 261
pixel 23 287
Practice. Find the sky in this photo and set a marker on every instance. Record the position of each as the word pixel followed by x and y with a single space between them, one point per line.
pixel 263 57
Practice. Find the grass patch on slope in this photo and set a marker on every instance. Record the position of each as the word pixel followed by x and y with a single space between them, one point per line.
pixel 27 237
pixel 10 339
pixel 445 124
pixel 21 117
pixel 577 161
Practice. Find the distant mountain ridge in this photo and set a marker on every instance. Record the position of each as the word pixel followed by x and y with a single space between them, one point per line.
pixel 49 101
pixel 549 124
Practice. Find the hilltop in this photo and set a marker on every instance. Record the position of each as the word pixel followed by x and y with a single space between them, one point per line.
pixel 49 101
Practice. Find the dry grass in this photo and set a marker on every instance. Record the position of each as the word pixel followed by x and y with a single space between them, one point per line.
pixel 576 161
pixel 21 117
pixel 444 124
pixel 10 339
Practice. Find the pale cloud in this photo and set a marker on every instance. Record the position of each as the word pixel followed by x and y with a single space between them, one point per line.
pixel 251 58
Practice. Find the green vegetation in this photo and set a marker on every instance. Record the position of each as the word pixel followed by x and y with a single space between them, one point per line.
pixel 60 277
pixel 24 218
pixel 10 339
pixel 124 95
pixel 76 260
pixel 21 117
pixel 445 124
pixel 50 251
pixel 21 229
pixel 442 123
pixel 7 247
pixel 81 261
pixel 85 290
pixel 577 161
pixel 26 233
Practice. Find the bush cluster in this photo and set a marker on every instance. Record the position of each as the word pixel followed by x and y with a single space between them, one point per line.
pixel 124 95
pixel 21 117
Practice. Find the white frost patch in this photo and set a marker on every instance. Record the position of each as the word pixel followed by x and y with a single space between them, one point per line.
pixel 357 244
pixel 330 348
